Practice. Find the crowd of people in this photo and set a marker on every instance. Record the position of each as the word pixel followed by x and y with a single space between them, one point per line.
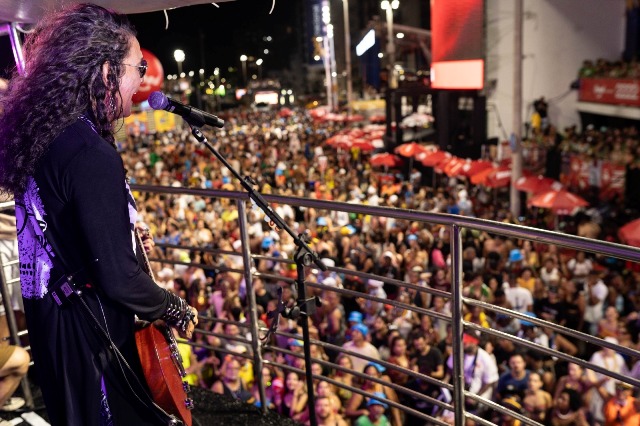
pixel 590 293
pixel 612 69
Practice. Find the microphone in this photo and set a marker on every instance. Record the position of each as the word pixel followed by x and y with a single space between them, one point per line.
pixel 193 116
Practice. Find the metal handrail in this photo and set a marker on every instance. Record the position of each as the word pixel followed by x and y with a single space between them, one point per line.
pixel 456 223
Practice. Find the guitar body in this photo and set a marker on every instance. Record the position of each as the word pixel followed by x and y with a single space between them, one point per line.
pixel 163 370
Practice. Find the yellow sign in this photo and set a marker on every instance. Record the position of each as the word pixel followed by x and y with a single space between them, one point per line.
pixel 164 121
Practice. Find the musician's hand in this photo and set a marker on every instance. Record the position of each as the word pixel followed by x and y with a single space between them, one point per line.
pixel 145 236
pixel 188 333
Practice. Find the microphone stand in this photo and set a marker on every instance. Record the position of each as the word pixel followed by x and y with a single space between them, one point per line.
pixel 303 257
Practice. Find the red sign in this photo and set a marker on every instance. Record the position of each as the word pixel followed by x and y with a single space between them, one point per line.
pixel 153 79
pixel 610 91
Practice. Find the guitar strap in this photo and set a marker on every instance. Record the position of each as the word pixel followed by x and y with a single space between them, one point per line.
pixel 68 291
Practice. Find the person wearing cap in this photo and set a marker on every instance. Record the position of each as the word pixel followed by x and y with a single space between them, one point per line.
pixel 480 370
pixel 360 345
pixel 376 408
pixel 356 406
pixel 512 403
pixel 622 408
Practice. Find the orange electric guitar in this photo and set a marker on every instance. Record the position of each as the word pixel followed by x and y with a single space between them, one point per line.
pixel 161 361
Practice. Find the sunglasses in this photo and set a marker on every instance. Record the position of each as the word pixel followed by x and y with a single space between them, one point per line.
pixel 142 68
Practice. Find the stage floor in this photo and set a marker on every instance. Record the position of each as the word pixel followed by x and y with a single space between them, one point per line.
pixel 210 409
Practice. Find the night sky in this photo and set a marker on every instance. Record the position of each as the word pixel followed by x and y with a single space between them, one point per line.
pixel 233 29
pixel 216 37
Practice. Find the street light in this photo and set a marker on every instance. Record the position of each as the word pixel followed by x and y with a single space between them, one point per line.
pixel 259 64
pixel 178 55
pixel 389 7
pixel 243 59
pixel 347 49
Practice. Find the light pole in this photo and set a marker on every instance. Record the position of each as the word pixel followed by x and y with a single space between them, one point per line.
pixel 243 59
pixel 178 55
pixel 216 73
pixel 259 64
pixel 347 52
pixel 389 7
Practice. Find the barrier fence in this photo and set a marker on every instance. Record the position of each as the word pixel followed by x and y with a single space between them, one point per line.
pixel 456 225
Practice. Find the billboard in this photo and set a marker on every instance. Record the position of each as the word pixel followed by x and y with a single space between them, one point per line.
pixel 457 44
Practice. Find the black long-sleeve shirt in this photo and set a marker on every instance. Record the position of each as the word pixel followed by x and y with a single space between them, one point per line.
pixel 81 201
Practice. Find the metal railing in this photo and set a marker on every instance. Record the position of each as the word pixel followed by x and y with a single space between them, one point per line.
pixel 458 325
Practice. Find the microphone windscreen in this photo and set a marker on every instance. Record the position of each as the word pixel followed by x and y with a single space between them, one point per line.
pixel 158 100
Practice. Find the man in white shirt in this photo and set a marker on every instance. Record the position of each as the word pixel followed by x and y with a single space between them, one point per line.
pixel 596 292
pixel 359 344
pixel 520 298
pixel 480 370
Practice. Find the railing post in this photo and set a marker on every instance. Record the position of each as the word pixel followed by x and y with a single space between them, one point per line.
pixel 457 327
pixel 251 298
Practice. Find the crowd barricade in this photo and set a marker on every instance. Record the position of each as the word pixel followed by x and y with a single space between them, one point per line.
pixel 456 224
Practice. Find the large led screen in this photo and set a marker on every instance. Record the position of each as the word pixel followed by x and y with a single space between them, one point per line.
pixel 457 44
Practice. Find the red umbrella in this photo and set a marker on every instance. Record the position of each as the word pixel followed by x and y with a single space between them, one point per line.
pixel 430 159
pixel 475 166
pixel 499 179
pixel 561 202
pixel 495 177
pixel 410 149
pixel 378 118
pixel 630 233
pixel 537 184
pixel 480 177
pixel 385 159
pixel 285 112
pixel 338 141
pixel 454 166
pixel 355 118
pixel 364 144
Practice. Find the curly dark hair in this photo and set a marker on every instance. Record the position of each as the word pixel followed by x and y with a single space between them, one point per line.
pixel 63 79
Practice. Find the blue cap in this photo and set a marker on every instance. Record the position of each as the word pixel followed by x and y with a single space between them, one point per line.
pixel 412 237
pixel 355 316
pixel 515 255
pixel 527 323
pixel 361 328
pixel 322 221
pixel 267 242
pixel 376 401
pixel 378 367
pixel 295 342
pixel 226 179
